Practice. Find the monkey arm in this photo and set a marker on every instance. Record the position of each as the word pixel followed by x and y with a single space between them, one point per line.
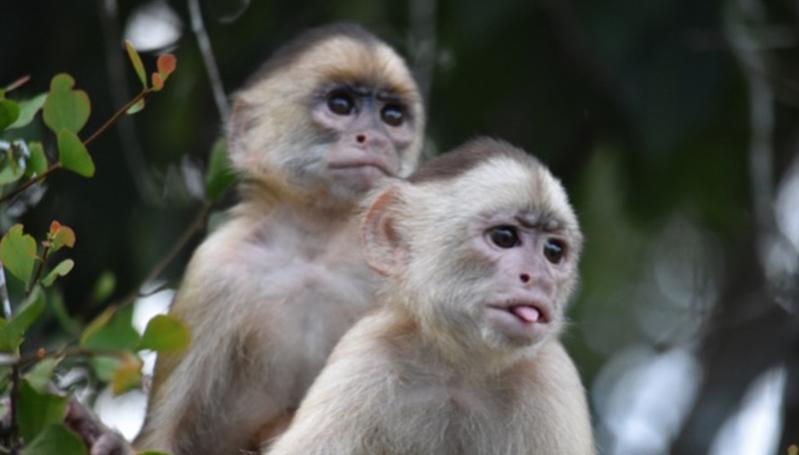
pixel 201 399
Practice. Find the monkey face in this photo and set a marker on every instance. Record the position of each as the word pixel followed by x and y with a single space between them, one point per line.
pixel 529 261
pixel 494 250
pixel 366 135
pixel 503 282
pixel 328 117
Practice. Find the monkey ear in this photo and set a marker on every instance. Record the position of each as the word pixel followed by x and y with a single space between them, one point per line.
pixel 386 251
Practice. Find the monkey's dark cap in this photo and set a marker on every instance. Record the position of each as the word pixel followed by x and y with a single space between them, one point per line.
pixel 287 54
pixel 466 157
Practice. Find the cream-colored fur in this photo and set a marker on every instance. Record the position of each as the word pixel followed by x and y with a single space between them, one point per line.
pixel 425 373
pixel 270 293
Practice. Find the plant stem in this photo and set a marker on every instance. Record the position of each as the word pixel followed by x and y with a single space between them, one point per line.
pixel 211 68
pixel 116 115
pixel 31 182
pixel 39 270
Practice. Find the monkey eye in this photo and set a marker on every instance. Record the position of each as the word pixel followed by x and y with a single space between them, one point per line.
pixel 340 103
pixel 392 114
pixel 504 236
pixel 554 250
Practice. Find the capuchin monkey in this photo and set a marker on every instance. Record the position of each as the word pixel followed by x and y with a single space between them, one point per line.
pixel 462 356
pixel 330 116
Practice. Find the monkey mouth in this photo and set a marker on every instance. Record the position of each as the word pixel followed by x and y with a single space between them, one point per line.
pixel 363 163
pixel 525 312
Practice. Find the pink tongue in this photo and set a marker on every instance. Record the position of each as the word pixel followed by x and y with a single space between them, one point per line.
pixel 525 313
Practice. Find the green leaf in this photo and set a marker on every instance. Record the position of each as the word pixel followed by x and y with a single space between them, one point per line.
pixel 9 112
pixel 164 333
pixel 112 330
pixel 56 438
pixel 10 169
pixel 11 335
pixel 96 326
pixel 18 253
pixel 38 410
pixel 136 107
pixel 73 154
pixel 104 366
pixel 62 269
pixel 66 108
pixel 70 325
pixel 220 175
pixel 39 376
pixel 28 110
pixel 104 286
pixel 127 376
pixel 60 236
pixel 37 163
pixel 137 64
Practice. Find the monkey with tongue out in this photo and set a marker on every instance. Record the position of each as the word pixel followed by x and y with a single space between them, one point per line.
pixel 480 247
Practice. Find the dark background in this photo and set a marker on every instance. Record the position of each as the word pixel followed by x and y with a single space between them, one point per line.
pixel 673 125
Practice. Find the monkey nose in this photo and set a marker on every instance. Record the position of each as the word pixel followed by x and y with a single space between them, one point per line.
pixel 524 278
pixel 371 140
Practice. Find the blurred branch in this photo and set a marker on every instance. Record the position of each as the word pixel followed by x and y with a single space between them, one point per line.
pixel 198 27
pixel 573 43
pixel 748 334
pixel 4 293
pixel 761 110
pixel 423 43
pixel 196 226
pixel 751 331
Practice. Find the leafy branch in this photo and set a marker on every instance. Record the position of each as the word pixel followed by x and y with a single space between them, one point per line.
pixel 66 111
pixel 34 420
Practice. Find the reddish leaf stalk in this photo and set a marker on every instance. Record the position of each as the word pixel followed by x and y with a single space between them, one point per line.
pixel 39 270
pixel 117 115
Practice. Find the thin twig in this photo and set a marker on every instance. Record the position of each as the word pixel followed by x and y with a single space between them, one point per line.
pixel 17 83
pixel 761 110
pixel 423 45
pixel 31 182
pixel 116 115
pixel 218 90
pixel 196 225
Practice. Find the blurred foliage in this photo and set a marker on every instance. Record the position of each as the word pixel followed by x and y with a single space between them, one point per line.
pixel 641 108
pixel 36 406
